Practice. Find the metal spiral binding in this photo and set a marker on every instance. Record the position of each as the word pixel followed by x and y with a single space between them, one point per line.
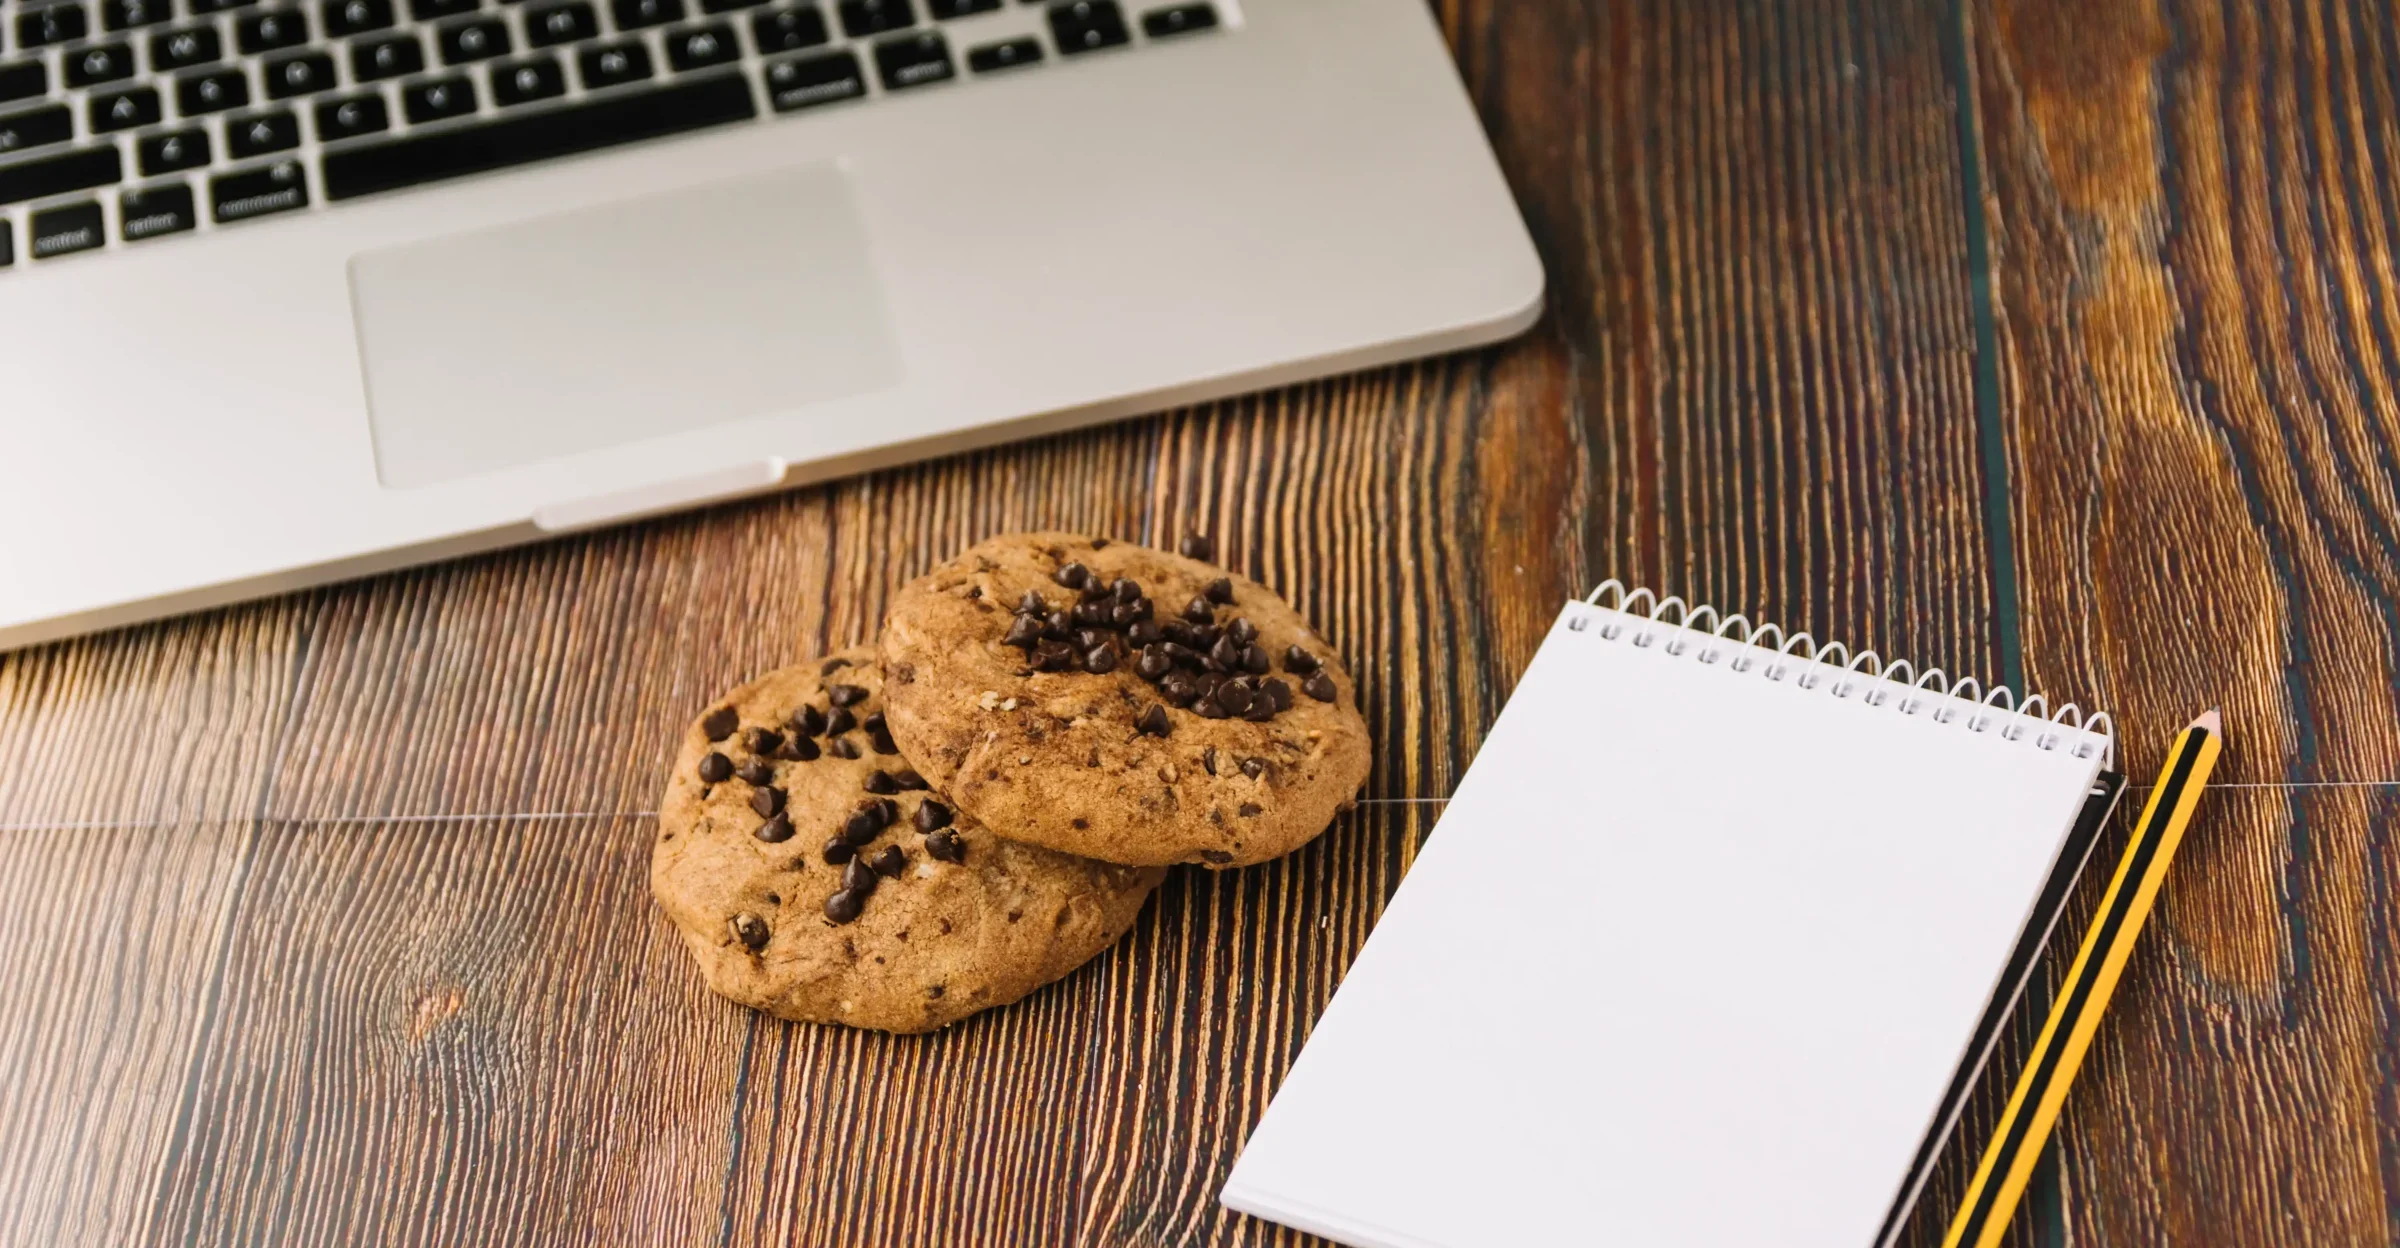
pixel 1778 655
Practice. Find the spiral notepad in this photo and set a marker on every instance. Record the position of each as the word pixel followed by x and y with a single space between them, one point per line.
pixel 1703 951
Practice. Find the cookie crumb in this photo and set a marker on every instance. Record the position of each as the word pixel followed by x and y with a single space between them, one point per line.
pixel 1169 774
pixel 989 700
pixel 1009 705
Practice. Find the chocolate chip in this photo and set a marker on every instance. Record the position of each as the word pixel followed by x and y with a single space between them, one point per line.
pixel 762 740
pixel 799 749
pixel 1277 692
pixel 1198 611
pixel 1225 655
pixel 1205 635
pixel 808 721
pixel 1254 660
pixel 1321 687
pixel 1254 767
pixel 1127 615
pixel 1154 663
pixel 839 720
pixel 1261 710
pixel 1242 631
pixel 1178 631
pixel 844 906
pixel 1033 603
pixel 858 877
pixel 881 782
pixel 946 846
pixel 715 768
pixel 1296 659
pixel 1154 722
pixel 1208 759
pixel 1219 590
pixel 862 826
pixel 1181 654
pixel 1058 625
pixel 844 748
pixel 1207 708
pixel 720 723
pixel 767 801
pixel 1216 855
pixel 1072 575
pixel 1023 632
pixel 1179 690
pixel 831 666
pixel 845 695
pixel 883 743
pixel 1100 661
pixel 1233 696
pixel 756 772
pixel 1208 682
pixel 887 810
pixel 775 831
pixel 891 862
pixel 1099 543
pixel 1197 547
pixel 932 814
pixel 1125 588
pixel 1250 810
pixel 1096 590
pixel 751 930
pixel 1094 614
pixel 838 851
pixel 907 778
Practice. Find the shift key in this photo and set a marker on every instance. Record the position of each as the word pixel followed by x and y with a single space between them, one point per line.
pixel 280 187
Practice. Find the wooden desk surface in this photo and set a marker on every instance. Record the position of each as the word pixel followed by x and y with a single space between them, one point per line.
pixel 2035 338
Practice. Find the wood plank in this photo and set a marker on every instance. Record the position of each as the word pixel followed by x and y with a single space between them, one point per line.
pixel 2193 208
pixel 110 940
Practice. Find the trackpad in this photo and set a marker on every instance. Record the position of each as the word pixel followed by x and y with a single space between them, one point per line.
pixel 608 325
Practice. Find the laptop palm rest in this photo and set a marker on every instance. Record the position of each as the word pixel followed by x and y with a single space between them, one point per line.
pixel 608 325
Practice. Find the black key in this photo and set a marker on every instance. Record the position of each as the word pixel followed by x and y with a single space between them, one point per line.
pixel 728 6
pixel 1087 25
pixel 614 65
pixel 1006 54
pixel 202 8
pixel 127 14
pixel 807 81
pixel 637 14
pixel 862 18
pixel 211 92
pixel 352 117
pixel 39 28
pixel 523 82
pixel 155 210
pixel 437 98
pixel 64 231
pixel 8 244
pixel 789 30
pixel 268 31
pixel 944 10
pixel 304 74
pixel 174 151
pixel 57 175
pixel 182 49
pixel 549 25
pixel 261 134
pixel 605 122
pixel 124 110
pixel 479 40
pixel 1180 19
pixel 25 80
pixel 913 60
pixel 106 62
pixel 702 46
pixel 35 127
pixel 344 18
pixel 436 10
pixel 373 60
pixel 280 187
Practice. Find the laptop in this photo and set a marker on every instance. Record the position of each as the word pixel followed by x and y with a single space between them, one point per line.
pixel 290 294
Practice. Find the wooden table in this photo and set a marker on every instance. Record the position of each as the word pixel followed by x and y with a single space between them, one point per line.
pixel 2040 338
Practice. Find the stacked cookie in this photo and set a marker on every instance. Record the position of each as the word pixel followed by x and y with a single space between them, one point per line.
pixel 898 837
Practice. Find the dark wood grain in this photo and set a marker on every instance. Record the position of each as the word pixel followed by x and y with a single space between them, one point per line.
pixel 436 1006
pixel 2193 207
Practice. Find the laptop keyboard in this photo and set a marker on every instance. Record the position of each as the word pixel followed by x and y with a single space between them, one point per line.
pixel 125 121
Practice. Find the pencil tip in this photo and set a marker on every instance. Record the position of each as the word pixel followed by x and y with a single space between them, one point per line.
pixel 2210 721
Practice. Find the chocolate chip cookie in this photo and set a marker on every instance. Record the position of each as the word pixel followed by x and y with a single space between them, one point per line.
pixel 1121 703
pixel 815 876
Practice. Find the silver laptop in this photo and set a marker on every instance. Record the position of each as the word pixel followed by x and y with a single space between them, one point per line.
pixel 293 294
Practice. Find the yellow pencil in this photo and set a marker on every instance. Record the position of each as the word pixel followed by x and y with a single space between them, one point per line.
pixel 2041 1089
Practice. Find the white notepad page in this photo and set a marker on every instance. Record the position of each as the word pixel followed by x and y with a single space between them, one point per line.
pixel 1689 959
